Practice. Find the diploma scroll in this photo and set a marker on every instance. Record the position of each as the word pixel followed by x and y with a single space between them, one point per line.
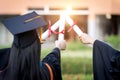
pixel 53 28
pixel 61 27
pixel 75 27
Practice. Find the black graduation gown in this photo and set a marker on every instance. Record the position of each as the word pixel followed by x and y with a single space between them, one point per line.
pixel 54 60
pixel 106 62
pixel 4 57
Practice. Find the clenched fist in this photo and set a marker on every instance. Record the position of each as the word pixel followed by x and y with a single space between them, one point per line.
pixel 86 39
pixel 61 44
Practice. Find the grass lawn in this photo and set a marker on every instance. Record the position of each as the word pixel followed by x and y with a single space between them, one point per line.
pixel 76 65
pixel 77 77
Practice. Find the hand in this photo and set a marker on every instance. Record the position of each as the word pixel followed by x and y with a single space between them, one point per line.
pixel 86 39
pixel 60 44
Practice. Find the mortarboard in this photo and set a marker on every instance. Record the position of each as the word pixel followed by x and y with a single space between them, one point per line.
pixel 24 23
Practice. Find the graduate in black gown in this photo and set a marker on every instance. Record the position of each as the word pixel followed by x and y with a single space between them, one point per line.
pixel 106 60
pixel 24 55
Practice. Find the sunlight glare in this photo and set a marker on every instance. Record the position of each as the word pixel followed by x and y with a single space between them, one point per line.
pixel 68 10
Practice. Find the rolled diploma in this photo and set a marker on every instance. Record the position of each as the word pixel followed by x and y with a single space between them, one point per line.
pixel 53 28
pixel 75 27
pixel 61 27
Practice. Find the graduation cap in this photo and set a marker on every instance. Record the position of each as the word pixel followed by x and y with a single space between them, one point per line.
pixel 24 23
pixel 25 51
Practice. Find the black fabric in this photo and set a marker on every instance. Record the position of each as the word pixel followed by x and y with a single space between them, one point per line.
pixel 54 60
pixel 4 57
pixel 106 62
pixel 45 74
pixel 25 39
pixel 23 60
pixel 4 64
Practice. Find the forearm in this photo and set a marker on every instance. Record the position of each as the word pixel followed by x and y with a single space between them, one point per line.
pixel 86 39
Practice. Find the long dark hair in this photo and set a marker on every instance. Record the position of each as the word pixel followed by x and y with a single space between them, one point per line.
pixel 25 57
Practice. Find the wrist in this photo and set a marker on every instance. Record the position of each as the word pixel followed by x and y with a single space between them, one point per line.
pixel 61 44
pixel 92 41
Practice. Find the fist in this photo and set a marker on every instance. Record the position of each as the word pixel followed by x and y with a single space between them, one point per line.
pixel 86 39
pixel 61 44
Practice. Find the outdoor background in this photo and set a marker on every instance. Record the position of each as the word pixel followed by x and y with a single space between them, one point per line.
pixel 98 18
pixel 76 60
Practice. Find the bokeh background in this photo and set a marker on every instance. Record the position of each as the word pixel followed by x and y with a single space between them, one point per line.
pixel 98 18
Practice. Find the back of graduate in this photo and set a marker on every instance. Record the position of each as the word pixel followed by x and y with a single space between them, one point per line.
pixel 106 60
pixel 24 57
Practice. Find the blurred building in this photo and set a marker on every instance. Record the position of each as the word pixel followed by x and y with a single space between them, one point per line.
pixel 98 18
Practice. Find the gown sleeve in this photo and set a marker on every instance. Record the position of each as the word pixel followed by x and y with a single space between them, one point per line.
pixel 106 62
pixel 54 60
pixel 4 57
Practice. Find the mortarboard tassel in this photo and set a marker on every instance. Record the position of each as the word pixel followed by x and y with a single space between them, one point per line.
pixel 40 34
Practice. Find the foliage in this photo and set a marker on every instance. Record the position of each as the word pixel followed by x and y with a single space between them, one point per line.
pixel 114 41
pixel 77 77
pixel 76 45
pixel 5 46
pixel 76 65
pixel 44 52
